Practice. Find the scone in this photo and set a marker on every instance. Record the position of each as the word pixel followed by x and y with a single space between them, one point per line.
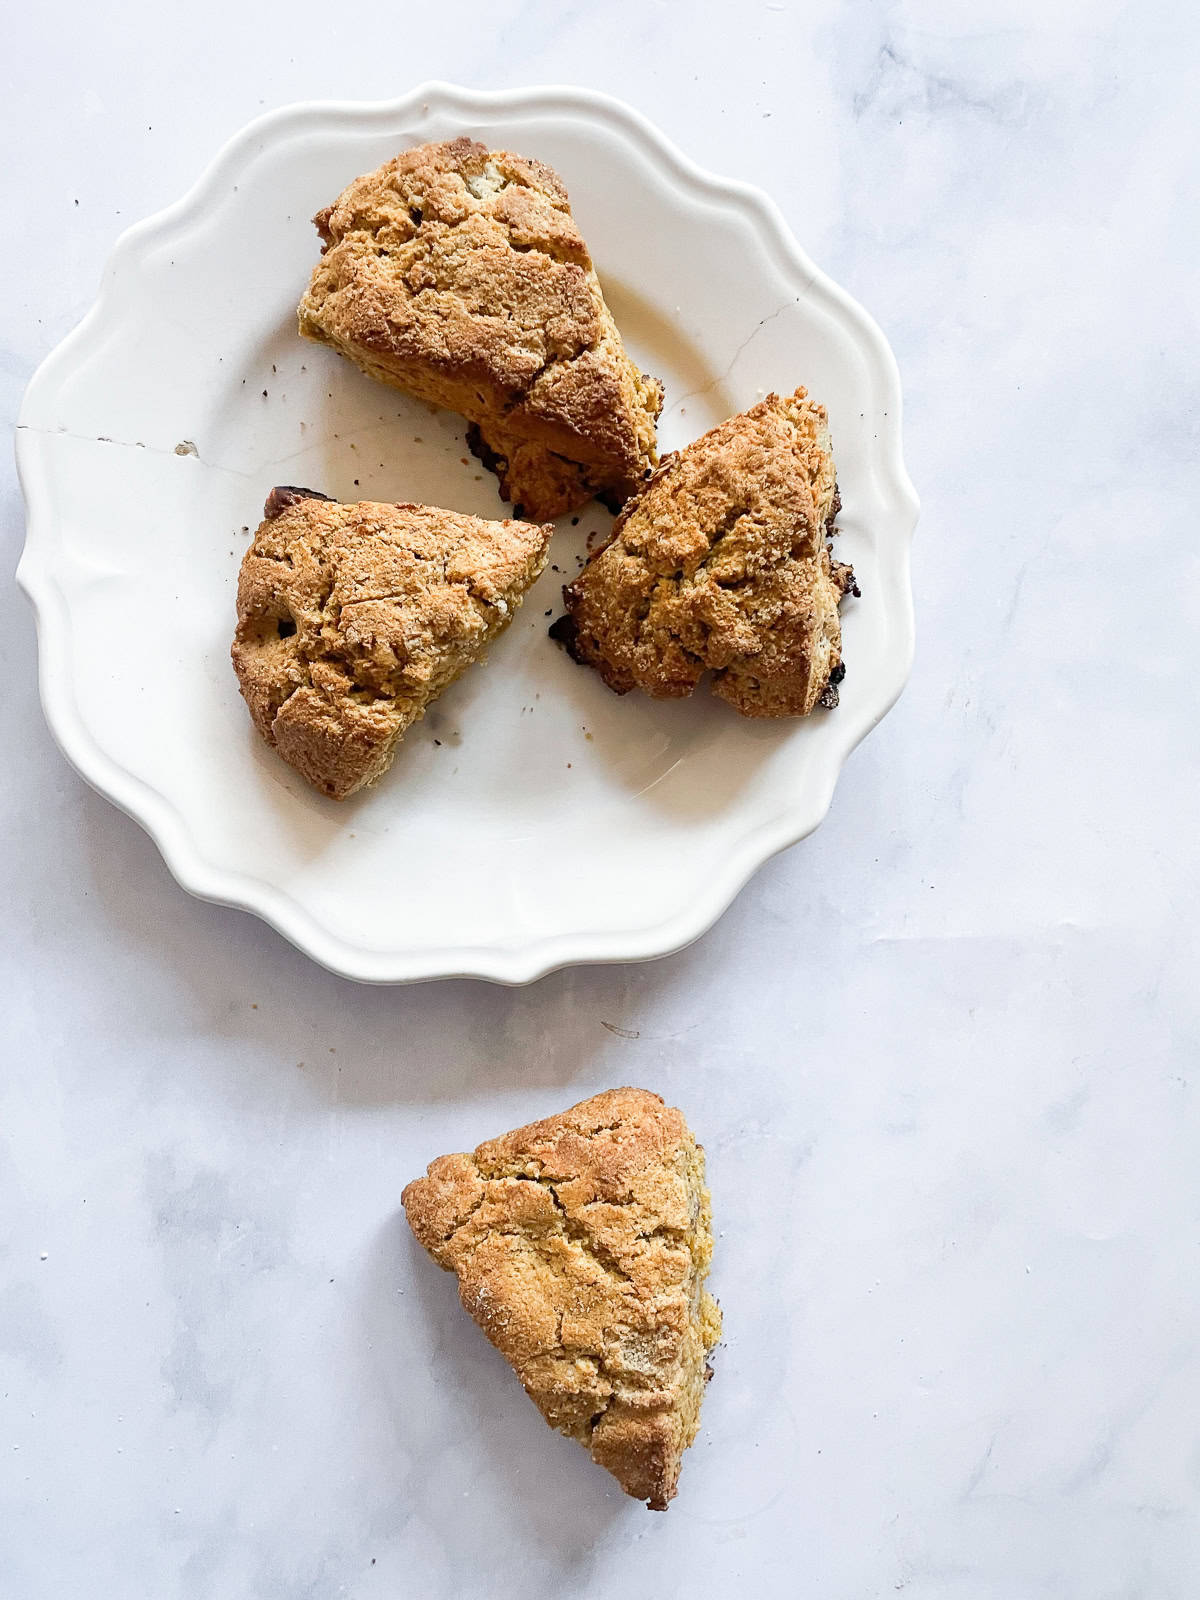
pixel 720 564
pixel 581 1245
pixel 353 618
pixel 457 273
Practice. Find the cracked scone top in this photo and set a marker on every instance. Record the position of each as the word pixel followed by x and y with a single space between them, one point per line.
pixel 458 274
pixel 720 564
pixel 353 618
pixel 581 1245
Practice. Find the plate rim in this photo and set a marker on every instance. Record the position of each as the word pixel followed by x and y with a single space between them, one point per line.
pixel 533 958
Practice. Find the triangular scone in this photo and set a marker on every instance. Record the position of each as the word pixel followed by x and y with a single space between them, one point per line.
pixel 581 1245
pixel 457 273
pixel 353 618
pixel 720 563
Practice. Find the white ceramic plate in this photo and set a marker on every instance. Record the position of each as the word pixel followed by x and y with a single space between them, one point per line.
pixel 534 819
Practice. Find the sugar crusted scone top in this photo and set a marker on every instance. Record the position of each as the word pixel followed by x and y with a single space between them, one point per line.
pixel 459 272
pixel 352 618
pixel 755 488
pixel 385 590
pixel 581 1244
pixel 719 564
pixel 619 1159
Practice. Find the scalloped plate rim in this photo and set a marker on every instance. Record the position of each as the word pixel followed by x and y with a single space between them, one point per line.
pixel 154 811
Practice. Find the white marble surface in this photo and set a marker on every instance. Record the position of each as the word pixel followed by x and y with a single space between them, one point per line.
pixel 943 1054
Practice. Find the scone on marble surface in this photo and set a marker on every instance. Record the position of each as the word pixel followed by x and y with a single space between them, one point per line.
pixel 720 564
pixel 457 273
pixel 353 618
pixel 581 1245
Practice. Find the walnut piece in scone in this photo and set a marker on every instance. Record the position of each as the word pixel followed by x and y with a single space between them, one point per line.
pixel 581 1245
pixel 720 564
pixel 353 618
pixel 457 273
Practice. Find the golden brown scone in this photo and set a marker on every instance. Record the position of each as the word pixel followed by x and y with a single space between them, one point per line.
pixel 581 1245
pixel 353 618
pixel 720 564
pixel 457 273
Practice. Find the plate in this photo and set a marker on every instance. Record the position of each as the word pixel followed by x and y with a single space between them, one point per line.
pixel 534 819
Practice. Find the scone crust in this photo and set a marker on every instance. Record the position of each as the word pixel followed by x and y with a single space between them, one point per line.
pixel 458 273
pixel 581 1244
pixel 720 564
pixel 352 618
